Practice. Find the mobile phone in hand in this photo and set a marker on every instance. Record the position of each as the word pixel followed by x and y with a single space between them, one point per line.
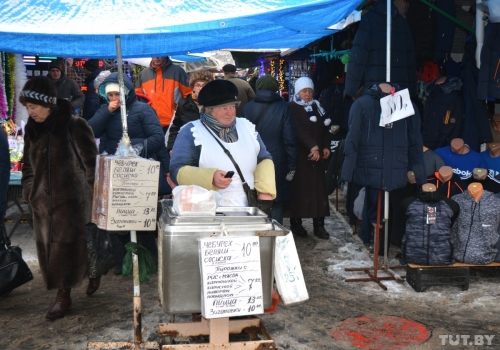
pixel 229 174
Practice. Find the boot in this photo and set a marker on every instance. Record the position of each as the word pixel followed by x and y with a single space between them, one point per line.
pixel 319 228
pixel 297 228
pixel 93 286
pixel 61 305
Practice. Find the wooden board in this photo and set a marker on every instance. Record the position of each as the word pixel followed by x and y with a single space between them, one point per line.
pixel 457 264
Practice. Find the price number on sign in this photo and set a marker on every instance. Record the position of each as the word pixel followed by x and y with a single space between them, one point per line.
pixel 150 194
pixel 395 107
pixel 152 169
pixel 149 222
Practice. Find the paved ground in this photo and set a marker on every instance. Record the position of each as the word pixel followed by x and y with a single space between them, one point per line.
pixel 107 316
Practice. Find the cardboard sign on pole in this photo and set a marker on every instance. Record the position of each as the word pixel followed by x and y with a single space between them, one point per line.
pixel 125 194
pixel 231 279
pixel 395 107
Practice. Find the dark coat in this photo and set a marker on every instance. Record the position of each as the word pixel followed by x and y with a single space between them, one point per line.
pixel 4 173
pixel 187 111
pixel 443 113
pixel 277 130
pixel 367 61
pixel 58 180
pixel 245 91
pixel 377 157
pixel 309 192
pixel 428 244
pixel 92 99
pixel 69 90
pixel 489 72
pixel 142 124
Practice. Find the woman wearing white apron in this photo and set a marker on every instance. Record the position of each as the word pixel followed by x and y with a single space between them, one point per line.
pixel 198 159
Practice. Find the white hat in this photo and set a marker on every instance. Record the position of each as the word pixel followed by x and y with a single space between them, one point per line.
pixel 111 87
pixel 303 83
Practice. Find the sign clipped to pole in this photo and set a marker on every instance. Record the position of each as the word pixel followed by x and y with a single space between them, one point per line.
pixel 125 193
pixel 395 107
pixel 231 279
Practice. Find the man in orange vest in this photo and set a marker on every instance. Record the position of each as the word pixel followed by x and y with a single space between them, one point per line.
pixel 165 84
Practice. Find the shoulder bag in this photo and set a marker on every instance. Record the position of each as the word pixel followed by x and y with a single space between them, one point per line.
pixel 264 205
pixel 14 271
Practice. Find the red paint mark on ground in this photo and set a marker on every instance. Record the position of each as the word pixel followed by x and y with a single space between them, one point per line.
pixel 380 333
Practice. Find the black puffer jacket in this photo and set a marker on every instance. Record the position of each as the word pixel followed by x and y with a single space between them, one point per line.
pixel 142 123
pixel 378 157
pixel 187 111
pixel 92 100
pixel 367 61
pixel 277 130
pixel 444 113
pixel 424 243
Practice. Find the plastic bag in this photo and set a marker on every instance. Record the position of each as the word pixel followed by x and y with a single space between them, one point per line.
pixel 195 200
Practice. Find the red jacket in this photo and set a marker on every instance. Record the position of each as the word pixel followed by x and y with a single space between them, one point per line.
pixel 165 86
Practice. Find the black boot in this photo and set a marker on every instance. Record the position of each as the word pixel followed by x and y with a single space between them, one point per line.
pixel 319 228
pixel 297 228
pixel 61 305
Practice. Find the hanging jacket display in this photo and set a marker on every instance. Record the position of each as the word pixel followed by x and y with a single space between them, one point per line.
pixel 367 61
pixel 379 157
pixel 475 232
pixel 429 218
pixel 443 113
pixel 490 183
pixel 489 72
pixel 448 188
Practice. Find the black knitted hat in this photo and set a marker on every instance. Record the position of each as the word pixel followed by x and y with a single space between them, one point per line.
pixel 217 93
pixel 40 91
pixel 230 68
pixel 267 82
pixel 91 65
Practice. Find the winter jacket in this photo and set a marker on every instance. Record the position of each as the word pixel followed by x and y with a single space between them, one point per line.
pixel 245 91
pixel 367 61
pixel 421 20
pixel 490 183
pixel 69 90
pixel 58 180
pixel 142 123
pixel 4 173
pixel 187 111
pixel 277 130
pixel 165 86
pixel 449 188
pixel 489 72
pixel 425 243
pixel 475 232
pixel 476 114
pixel 443 113
pixel 445 30
pixel 92 100
pixel 378 157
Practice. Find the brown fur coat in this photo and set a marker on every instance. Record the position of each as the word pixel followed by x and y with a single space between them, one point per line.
pixel 58 178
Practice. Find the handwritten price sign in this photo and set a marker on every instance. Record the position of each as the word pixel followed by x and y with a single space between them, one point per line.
pixel 395 107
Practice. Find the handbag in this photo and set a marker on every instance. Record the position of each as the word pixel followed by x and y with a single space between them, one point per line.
pixel 264 205
pixel 100 251
pixel 14 271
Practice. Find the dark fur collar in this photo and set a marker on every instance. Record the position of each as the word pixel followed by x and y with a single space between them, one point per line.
pixel 451 84
pixel 62 117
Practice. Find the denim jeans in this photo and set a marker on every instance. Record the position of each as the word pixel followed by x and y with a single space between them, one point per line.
pixel 277 212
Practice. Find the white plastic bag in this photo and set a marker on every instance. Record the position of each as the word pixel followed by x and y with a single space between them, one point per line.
pixel 195 200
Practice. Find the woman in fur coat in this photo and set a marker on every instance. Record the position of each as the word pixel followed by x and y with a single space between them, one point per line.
pixel 58 179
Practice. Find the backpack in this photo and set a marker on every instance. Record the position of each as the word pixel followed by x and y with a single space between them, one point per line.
pixel 430 72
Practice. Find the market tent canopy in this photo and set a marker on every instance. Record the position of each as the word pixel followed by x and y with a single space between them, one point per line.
pixel 148 28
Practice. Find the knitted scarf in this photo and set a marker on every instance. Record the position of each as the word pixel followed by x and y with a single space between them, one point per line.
pixel 308 107
pixel 226 133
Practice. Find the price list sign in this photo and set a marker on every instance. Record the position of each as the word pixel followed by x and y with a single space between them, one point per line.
pixel 231 276
pixel 127 194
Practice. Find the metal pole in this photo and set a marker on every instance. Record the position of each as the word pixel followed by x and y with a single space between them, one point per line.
pixel 479 33
pixel 119 65
pixel 137 295
pixel 388 79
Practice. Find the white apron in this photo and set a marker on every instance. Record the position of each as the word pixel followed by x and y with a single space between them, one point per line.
pixel 244 152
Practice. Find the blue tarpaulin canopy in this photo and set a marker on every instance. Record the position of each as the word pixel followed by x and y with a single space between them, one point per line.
pixel 148 28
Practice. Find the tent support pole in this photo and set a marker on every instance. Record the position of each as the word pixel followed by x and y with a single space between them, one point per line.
pixel 119 65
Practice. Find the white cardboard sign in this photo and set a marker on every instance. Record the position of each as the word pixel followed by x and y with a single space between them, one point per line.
pixel 125 194
pixel 231 279
pixel 395 107
pixel 287 271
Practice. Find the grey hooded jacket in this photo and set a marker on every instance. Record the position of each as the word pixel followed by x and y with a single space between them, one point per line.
pixel 475 232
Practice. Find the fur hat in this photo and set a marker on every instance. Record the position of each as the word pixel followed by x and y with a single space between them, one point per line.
pixel 267 82
pixel 39 91
pixel 201 75
pixel 91 65
pixel 303 83
pixel 100 78
pixel 230 68
pixel 218 92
